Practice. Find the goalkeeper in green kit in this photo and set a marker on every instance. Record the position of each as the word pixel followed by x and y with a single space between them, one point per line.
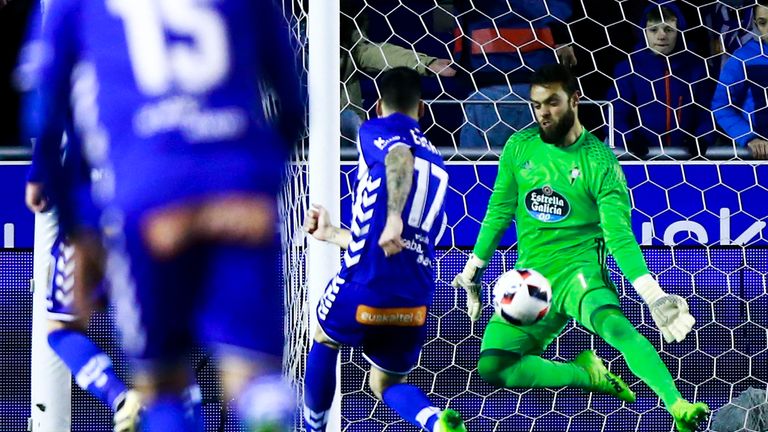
pixel 567 192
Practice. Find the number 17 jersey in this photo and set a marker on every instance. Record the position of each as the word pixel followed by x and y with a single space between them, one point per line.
pixel 408 274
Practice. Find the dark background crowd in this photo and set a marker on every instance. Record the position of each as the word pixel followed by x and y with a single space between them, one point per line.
pixel 665 94
pixel 13 18
pixel 476 56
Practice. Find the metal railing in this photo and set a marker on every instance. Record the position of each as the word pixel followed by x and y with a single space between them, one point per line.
pixel 655 155
pixel 485 154
pixel 15 153
pixel 492 152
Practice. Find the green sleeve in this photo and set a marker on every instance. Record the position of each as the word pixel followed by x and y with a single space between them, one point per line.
pixel 501 206
pixel 616 221
pixel 376 57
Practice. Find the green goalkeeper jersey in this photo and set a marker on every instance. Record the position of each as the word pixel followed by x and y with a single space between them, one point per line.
pixel 564 200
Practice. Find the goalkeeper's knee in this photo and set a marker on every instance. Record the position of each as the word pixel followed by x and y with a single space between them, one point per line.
pixel 614 328
pixel 494 367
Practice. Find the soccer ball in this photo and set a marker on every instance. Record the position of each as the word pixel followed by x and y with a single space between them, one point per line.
pixel 522 297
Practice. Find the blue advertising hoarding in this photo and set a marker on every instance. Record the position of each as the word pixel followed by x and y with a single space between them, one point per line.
pixel 17 222
pixel 710 204
pixel 675 203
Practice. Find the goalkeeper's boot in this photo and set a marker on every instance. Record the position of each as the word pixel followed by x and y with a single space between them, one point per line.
pixel 127 412
pixel 602 380
pixel 688 415
pixel 449 421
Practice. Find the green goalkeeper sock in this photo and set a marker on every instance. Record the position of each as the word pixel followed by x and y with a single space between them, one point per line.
pixel 641 356
pixel 505 369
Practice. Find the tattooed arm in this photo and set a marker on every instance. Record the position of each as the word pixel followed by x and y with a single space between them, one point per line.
pixel 399 164
pixel 318 225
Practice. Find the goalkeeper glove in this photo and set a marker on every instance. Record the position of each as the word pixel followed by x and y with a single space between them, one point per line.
pixel 669 312
pixel 470 279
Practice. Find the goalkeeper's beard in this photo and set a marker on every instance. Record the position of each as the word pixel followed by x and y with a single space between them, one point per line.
pixel 558 131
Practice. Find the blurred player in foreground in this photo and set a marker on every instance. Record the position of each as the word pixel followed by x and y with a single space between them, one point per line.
pixel 379 299
pixel 58 180
pixel 568 194
pixel 188 109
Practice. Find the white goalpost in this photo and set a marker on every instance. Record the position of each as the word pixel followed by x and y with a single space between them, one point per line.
pixel 323 168
pixel 50 386
pixel 51 391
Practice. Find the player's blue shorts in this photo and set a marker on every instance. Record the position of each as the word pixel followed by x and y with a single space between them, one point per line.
pixel 224 296
pixel 60 293
pixel 390 330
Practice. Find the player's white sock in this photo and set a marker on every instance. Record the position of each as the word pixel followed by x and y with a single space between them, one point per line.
pixel 315 421
pixel 193 401
pixel 319 386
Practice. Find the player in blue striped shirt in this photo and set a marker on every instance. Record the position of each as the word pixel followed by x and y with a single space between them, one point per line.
pixel 188 108
pixel 380 298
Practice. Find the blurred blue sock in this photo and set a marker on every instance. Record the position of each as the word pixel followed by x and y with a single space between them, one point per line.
pixel 319 386
pixel 412 404
pixel 167 413
pixel 91 368
pixel 193 405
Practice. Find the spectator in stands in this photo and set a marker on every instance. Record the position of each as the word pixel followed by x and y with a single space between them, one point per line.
pixel 731 20
pixel 500 46
pixel 740 103
pixel 360 54
pixel 662 91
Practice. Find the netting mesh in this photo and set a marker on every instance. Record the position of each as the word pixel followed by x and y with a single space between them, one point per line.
pixel 15 273
pixel 724 285
pixel 648 74
pixel 478 97
pixel 292 202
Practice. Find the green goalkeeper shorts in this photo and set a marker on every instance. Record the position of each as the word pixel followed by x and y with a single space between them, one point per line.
pixel 578 292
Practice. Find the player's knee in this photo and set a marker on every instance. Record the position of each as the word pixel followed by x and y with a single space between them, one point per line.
pixel 614 327
pixel 174 380
pixel 379 381
pixel 56 325
pixel 616 333
pixel 239 372
pixel 323 338
pixel 491 368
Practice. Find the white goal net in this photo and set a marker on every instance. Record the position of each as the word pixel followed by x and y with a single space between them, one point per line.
pixel 699 205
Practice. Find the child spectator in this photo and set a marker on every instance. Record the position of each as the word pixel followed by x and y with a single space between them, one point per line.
pixel 740 103
pixel 663 90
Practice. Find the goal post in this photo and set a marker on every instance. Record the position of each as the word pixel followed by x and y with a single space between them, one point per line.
pixel 51 391
pixel 50 382
pixel 323 77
